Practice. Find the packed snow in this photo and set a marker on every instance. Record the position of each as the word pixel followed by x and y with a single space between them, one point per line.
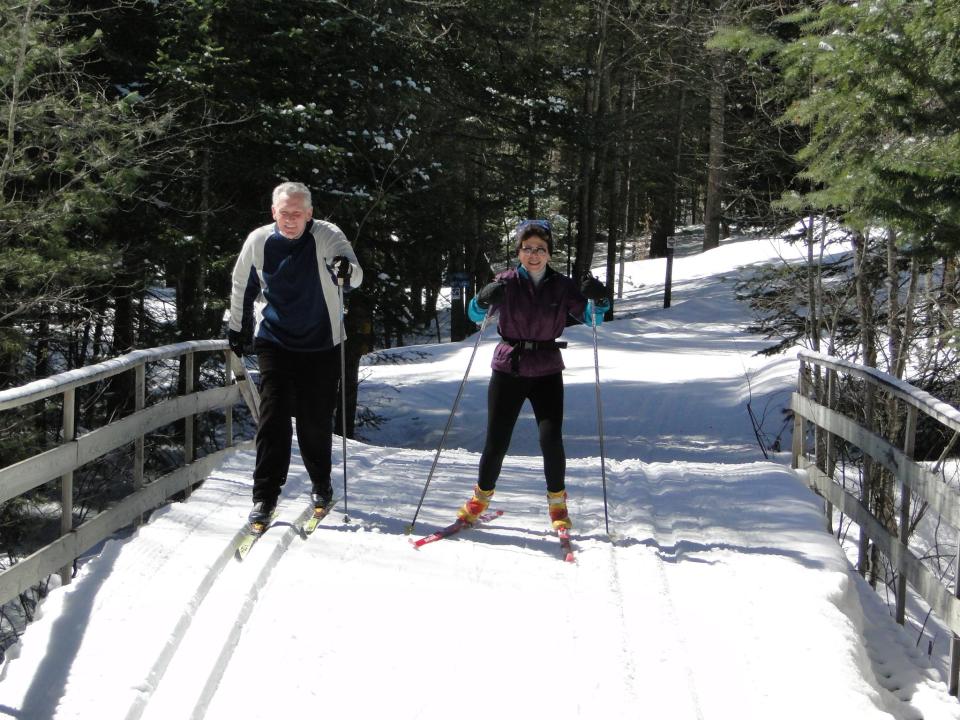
pixel 718 594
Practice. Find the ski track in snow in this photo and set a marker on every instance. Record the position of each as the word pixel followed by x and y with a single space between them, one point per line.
pixel 361 608
pixel 220 619
pixel 719 596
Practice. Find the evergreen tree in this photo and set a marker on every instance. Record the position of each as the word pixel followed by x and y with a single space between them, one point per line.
pixel 883 115
pixel 72 153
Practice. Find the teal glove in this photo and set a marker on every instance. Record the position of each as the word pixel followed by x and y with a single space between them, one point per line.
pixel 595 312
pixel 475 312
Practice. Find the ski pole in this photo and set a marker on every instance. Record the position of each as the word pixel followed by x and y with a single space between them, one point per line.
pixel 343 396
pixel 603 464
pixel 453 411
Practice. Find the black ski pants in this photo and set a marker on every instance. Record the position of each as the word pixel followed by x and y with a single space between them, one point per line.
pixel 505 397
pixel 303 386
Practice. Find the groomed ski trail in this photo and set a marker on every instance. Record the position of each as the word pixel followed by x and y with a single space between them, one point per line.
pixel 720 596
pixel 650 623
pixel 182 690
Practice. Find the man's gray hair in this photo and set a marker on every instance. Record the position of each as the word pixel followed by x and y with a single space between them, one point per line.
pixel 293 189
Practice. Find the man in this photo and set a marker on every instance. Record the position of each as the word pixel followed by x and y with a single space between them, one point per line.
pixel 285 307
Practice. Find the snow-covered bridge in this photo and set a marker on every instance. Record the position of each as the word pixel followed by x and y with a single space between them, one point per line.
pixel 718 596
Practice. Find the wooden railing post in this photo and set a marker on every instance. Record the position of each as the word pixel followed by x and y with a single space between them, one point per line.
pixel 227 380
pixel 798 421
pixel 188 421
pixel 66 480
pixel 909 443
pixel 139 403
pixel 828 450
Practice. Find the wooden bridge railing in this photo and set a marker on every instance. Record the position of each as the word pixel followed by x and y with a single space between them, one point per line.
pixel 73 452
pixel 915 482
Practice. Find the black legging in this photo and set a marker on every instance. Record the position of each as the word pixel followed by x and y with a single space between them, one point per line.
pixel 505 397
pixel 303 386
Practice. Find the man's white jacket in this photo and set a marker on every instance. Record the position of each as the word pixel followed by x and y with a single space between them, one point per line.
pixel 285 290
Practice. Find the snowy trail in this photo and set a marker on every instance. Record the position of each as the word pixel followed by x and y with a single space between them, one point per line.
pixel 719 597
pixel 181 690
pixel 516 623
pixel 495 612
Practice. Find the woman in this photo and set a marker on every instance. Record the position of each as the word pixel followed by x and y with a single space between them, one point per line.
pixel 535 303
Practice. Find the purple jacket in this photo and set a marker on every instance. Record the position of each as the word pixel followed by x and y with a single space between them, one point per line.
pixel 535 313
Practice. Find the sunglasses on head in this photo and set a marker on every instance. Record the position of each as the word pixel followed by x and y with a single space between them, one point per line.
pixel 535 224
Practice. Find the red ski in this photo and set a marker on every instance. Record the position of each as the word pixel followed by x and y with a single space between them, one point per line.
pixel 453 529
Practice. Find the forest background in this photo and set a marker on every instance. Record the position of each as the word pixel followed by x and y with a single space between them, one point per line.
pixel 139 143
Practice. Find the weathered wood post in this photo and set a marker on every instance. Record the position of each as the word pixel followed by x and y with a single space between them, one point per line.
pixel 798 421
pixel 668 280
pixel 66 480
pixel 909 442
pixel 139 403
pixel 188 421
pixel 828 449
pixel 227 380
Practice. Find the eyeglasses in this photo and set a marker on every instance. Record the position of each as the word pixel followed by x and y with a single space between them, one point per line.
pixel 534 250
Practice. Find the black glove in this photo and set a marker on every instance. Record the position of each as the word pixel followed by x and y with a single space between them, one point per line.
pixel 240 342
pixel 593 289
pixel 491 294
pixel 341 268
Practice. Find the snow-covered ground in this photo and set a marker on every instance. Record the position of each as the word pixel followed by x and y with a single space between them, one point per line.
pixel 719 595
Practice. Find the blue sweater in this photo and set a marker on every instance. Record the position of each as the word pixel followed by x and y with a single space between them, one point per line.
pixel 285 290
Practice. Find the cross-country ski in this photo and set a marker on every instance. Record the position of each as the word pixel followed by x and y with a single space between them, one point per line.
pixel 316 517
pixel 453 528
pixel 252 533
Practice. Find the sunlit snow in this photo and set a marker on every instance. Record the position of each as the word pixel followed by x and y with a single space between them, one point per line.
pixel 718 596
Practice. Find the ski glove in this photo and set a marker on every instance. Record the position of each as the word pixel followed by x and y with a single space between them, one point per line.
pixel 475 312
pixel 240 342
pixel 491 294
pixel 595 312
pixel 340 265
pixel 593 289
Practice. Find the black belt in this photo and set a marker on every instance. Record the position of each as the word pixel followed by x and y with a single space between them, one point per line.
pixel 520 345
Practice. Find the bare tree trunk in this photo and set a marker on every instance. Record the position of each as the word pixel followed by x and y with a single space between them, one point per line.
pixel 614 212
pixel 813 274
pixel 585 212
pixel 895 328
pixel 120 399
pixel 909 320
pixel 714 200
pixel 628 197
pixel 866 556
pixel 589 165
pixel 948 295
pixel 900 329
pixel 359 327
pixel 41 366
pixel 663 209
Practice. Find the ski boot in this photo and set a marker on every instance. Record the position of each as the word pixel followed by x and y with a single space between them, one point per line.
pixel 261 514
pixel 475 506
pixel 321 497
pixel 557 504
